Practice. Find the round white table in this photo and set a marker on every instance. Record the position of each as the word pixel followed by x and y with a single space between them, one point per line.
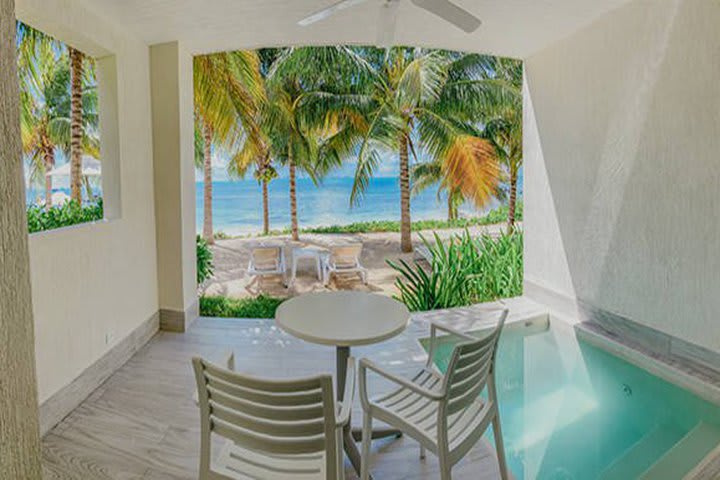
pixel 344 320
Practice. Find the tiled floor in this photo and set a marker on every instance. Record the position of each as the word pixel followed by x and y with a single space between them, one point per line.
pixel 142 423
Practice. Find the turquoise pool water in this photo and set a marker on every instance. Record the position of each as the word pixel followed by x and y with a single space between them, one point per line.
pixel 571 411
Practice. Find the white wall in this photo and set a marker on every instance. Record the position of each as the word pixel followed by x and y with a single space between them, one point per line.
pixel 172 100
pixel 622 152
pixel 96 280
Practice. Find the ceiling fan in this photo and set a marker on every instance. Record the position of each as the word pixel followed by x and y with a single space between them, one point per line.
pixel 444 9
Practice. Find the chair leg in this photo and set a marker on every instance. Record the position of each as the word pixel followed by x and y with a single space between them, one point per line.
pixel 445 469
pixel 500 447
pixel 340 454
pixel 366 441
pixel 422 453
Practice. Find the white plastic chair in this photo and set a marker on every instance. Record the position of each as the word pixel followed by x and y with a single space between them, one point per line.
pixel 267 261
pixel 344 259
pixel 444 413
pixel 274 429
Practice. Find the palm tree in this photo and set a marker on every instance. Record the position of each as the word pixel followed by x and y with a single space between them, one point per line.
pixel 42 123
pixel 301 132
pixel 495 91
pixel 264 172
pixel 45 100
pixel 418 101
pixel 227 90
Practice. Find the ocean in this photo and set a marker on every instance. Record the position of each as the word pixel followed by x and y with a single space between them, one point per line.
pixel 237 205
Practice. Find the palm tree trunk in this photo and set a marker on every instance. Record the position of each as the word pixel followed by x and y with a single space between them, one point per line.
pixel 76 131
pixel 266 207
pixel 49 159
pixel 293 197
pixel 88 188
pixel 452 210
pixel 207 184
pixel 405 221
pixel 513 199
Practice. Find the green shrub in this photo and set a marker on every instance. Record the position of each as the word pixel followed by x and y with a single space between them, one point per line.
pixel 65 215
pixel 259 307
pixel 205 267
pixel 463 271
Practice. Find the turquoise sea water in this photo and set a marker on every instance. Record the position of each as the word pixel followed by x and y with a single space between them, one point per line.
pixel 570 411
pixel 237 206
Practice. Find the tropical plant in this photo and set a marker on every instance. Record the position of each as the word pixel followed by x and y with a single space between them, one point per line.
pixel 227 90
pixel 463 271
pixel 204 259
pixel 415 102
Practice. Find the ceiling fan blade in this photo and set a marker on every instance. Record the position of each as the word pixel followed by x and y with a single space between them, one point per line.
pixel 329 11
pixel 387 23
pixel 450 12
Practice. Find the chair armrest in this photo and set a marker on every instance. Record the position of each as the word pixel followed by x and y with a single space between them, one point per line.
pixel 366 365
pixel 434 326
pixel 348 395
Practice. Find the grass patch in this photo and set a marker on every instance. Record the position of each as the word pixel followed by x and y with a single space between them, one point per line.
pixel 259 307
pixel 493 217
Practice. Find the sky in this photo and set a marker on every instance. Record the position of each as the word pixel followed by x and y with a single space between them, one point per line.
pixel 388 168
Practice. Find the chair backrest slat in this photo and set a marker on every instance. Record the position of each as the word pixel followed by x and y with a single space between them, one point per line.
pixel 272 417
pixel 299 428
pixel 284 412
pixel 271 398
pixel 276 386
pixel 267 443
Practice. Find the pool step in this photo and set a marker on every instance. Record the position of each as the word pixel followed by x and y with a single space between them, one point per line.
pixel 686 454
pixel 638 458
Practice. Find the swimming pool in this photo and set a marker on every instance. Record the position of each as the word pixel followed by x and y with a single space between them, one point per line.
pixel 571 411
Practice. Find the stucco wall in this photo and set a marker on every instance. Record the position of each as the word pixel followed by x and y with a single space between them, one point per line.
pixel 622 145
pixel 94 284
pixel 19 439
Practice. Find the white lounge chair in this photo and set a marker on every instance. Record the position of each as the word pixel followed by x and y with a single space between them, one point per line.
pixel 344 259
pixel 444 413
pixel 273 429
pixel 267 260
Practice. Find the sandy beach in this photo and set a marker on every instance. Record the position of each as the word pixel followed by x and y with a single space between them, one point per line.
pixel 231 258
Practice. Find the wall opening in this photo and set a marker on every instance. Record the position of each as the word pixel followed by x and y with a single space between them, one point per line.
pixel 69 132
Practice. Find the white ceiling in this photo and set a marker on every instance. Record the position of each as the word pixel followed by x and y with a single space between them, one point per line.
pixel 514 28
